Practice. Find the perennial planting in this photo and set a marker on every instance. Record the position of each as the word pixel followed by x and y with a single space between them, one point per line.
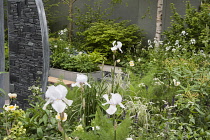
pixel 162 94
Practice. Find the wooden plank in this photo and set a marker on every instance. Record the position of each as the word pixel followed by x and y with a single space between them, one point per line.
pixel 56 80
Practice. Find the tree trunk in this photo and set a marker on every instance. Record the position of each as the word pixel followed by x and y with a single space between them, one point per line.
pixel 159 22
pixel 71 20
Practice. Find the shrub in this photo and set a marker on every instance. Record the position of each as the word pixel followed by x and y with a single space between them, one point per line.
pixel 194 25
pixel 100 35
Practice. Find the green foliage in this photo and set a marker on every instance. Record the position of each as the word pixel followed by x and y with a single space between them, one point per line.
pixel 64 56
pixel 51 16
pixel 103 129
pixel 6 56
pixel 11 124
pixel 83 62
pixel 194 24
pixel 93 14
pixel 100 35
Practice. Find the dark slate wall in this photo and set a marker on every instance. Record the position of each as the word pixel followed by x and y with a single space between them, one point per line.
pixel 25 48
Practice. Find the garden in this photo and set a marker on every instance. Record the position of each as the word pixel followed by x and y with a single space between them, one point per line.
pixel 163 92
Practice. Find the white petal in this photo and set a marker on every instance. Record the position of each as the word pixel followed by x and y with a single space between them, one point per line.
pixel 68 102
pixel 106 97
pixel 112 109
pixel 51 93
pixel 88 84
pixel 120 50
pixel 121 105
pixel 47 103
pixel 113 43
pixel 105 103
pixel 113 48
pixel 59 106
pixel 119 44
pixel 62 90
pixel 116 98
pixel 81 78
pixel 76 84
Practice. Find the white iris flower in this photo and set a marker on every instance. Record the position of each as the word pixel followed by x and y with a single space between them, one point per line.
pixel 117 45
pixel 57 96
pixel 81 79
pixel 116 99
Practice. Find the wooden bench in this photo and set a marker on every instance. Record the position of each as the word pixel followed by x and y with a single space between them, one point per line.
pixel 54 80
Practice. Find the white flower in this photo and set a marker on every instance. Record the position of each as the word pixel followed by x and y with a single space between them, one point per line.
pixel 55 46
pixel 161 42
pixel 117 45
pixel 56 95
pixel 116 99
pixel 184 33
pixel 131 63
pixel 176 83
pixel 118 61
pixel 12 95
pixel 173 50
pixel 149 42
pixel 97 128
pixel 61 32
pixel 192 41
pixel 65 30
pixel 80 53
pixel 183 49
pixel 10 107
pixel 58 117
pixel 168 48
pixel 150 46
pixel 129 139
pixel 139 59
pixel 142 85
pixel 158 83
pixel 155 79
pixel 81 79
pixel 177 42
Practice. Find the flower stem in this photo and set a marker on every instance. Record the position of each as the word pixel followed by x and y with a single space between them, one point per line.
pixel 83 114
pixel 115 128
pixel 113 73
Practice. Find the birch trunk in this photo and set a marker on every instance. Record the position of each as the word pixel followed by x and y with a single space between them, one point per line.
pixel 159 22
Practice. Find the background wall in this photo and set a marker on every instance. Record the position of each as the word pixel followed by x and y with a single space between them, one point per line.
pixel 132 10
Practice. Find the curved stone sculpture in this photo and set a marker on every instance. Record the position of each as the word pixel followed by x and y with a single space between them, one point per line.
pixel 28 47
pixel 2 62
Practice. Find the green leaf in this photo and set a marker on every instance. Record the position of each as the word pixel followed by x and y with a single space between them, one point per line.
pixel 39 132
pixel 2 91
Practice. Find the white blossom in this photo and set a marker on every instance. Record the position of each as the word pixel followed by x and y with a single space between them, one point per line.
pixel 192 41
pixel 12 95
pixel 176 83
pixel 81 80
pixel 183 33
pixel 117 45
pixel 131 63
pixel 115 99
pixel 10 107
pixel 57 96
